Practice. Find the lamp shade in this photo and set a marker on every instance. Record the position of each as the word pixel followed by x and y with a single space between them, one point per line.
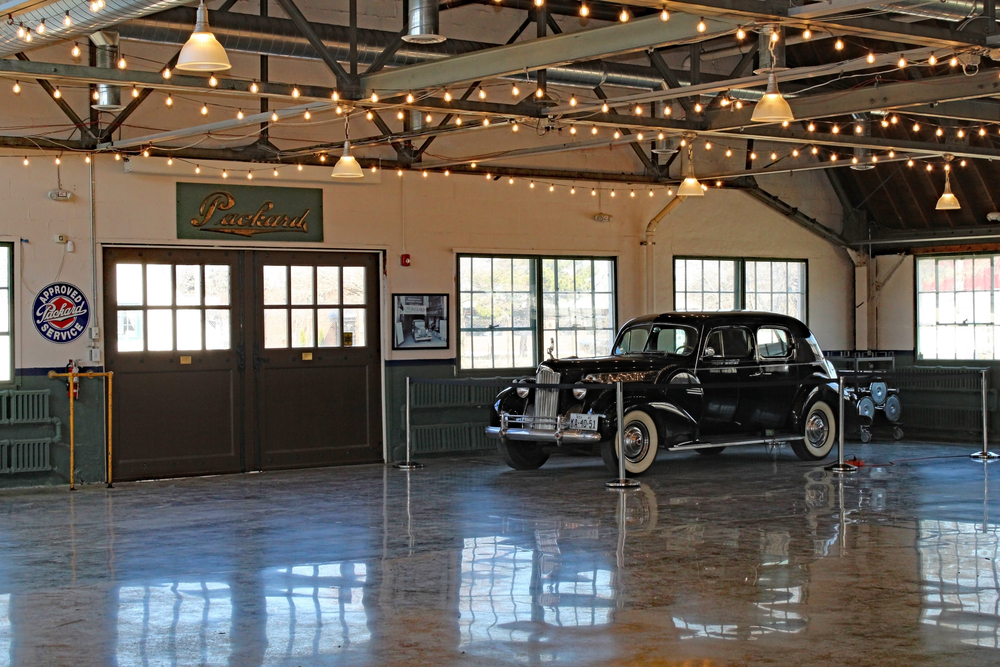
pixel 690 187
pixel 347 166
pixel 772 108
pixel 202 52
pixel 947 201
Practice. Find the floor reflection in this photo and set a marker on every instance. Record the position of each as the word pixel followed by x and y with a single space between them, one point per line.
pixel 186 623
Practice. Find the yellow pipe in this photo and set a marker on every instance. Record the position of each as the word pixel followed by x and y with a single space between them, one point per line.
pixel 72 421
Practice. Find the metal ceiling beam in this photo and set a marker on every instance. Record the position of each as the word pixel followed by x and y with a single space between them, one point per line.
pixel 792 213
pixel 889 96
pixel 556 50
pixel 344 80
pixel 586 144
pixel 974 111
pixel 124 114
pixel 876 28
pixel 84 128
pixel 795 74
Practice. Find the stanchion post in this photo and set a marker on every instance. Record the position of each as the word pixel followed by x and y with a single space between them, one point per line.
pixel 72 434
pixel 985 454
pixel 840 466
pixel 622 482
pixel 408 464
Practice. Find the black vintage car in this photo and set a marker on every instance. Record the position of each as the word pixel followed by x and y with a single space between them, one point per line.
pixel 692 381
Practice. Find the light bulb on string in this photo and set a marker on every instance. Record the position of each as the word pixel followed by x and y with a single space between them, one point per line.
pixel 274 116
pixel 729 152
pixel 939 132
pixel 892 154
pixel 170 161
pixel 369 115
pixel 135 92
pixel 170 101
pixel 145 152
pixel 916 127
pixel 953 62
pixel 835 129
pixel 572 129
pixel 482 93
pixel 650 193
pixel 225 174
pixel 982 131
pixel 902 62
pixel 539 92
pixel 399 114
pixel 40 29
pixel 572 100
pixel 815 150
pixel 204 109
pixel 254 88
pixel 532 185
pixel 95 95
pixel 87 158
pixel 122 64
pixel 58 161
pixel 552 188
pixel 593 192
pixel 962 163
pixel 612 192
pixel 515 91
pixel 932 60
pixel 885 123
pixel 701 27
pixel 409 98
pixel 858 129
pixel 604 108
pixel 17 88
pixel 774 156
pixel 307 115
pixel 795 152
pixel 584 10
pixel 833 157
pixel 447 96
pixel 870 58
pixel 909 163
pixel 593 129
pixel 67 20
pixel 275 172
pixel 740 33
pixel 839 44
pixel 166 73
pixel 212 81
pixel 57 93
pixel 75 52
pixel 624 16
pixel 893 120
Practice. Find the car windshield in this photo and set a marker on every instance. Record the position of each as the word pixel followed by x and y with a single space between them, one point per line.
pixel 658 339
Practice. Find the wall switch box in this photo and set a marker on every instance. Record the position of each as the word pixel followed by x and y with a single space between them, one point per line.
pixel 94 354
pixel 95 333
pixel 60 238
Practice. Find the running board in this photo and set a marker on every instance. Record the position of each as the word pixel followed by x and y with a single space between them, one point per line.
pixel 736 443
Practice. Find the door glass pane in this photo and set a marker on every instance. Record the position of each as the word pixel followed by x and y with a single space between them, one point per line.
pixel 159 288
pixel 328 325
pixel 328 284
pixel 4 315
pixel 302 327
pixel 275 286
pixel 354 285
pixel 130 337
pixel 302 285
pixel 161 329
pixel 275 327
pixel 217 329
pixel 188 285
pixel 128 278
pixel 216 285
pixel 354 321
pixel 188 329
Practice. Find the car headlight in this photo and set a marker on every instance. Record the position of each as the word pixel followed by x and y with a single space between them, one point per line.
pixel 523 392
pixel 579 393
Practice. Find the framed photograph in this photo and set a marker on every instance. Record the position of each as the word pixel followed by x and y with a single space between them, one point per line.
pixel 420 321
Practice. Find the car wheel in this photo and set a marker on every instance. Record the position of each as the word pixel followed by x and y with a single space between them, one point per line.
pixel 641 444
pixel 522 455
pixel 710 451
pixel 820 430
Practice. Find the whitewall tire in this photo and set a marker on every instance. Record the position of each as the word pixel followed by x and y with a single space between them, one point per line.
pixel 641 444
pixel 820 430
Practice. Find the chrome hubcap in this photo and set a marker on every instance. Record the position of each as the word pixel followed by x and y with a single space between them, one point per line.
pixel 817 429
pixel 636 441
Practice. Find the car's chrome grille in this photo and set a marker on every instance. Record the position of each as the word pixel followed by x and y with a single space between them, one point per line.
pixel 547 400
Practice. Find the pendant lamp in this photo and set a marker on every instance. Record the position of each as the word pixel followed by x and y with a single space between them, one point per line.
pixel 202 52
pixel 772 108
pixel 347 166
pixel 690 187
pixel 948 201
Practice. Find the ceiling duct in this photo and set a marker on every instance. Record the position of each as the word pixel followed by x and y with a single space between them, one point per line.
pixel 423 25
pixel 864 155
pixel 109 98
pixel 83 22
pixel 280 38
pixel 942 10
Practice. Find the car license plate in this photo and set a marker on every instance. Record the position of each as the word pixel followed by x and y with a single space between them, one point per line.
pixel 582 422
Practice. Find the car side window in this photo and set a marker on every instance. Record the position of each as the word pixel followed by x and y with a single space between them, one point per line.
pixel 633 340
pixel 730 343
pixel 772 343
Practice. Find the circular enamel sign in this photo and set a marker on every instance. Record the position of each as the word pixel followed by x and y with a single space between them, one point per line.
pixel 61 312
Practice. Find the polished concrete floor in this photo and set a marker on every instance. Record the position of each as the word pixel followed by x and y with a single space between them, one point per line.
pixel 749 558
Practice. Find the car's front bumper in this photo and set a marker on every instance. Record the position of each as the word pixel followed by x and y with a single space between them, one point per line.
pixel 540 435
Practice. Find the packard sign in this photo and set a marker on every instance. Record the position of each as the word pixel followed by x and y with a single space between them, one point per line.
pixel 61 312
pixel 245 212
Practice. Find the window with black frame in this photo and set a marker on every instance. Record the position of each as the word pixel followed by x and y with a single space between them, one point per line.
pixel 514 311
pixel 6 312
pixel 705 284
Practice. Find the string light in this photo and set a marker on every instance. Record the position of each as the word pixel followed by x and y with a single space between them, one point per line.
pixel 170 161
pixel 871 58
pixel 612 192
pixel 638 110
pixel 839 44
pixel 833 157
pixel 835 129
pixel 902 62
pixel 874 159
pixel 795 152
pixel 552 188
pixel 572 129
pixel 145 152
pixel 322 157
pixel 95 95
pixel 427 118
pixel 982 131
pixel 17 88
pixel 807 33
pixel 135 92
pixel 212 81
pixel 892 154
pixel 572 100
pixel 885 123
pixel 166 73
pixel 532 185
pixel 510 181
pixel 40 29
pixel 593 192
pixel 75 51
pixel 909 163
pixel 739 104
pixel 932 60
pixel 961 133
pixel 624 16
pixel 930 167
pixel 605 108
pixel 953 61
pixel 458 120
pixel 593 129
pixel 204 109
pixel 584 10
pixel 916 127
pixel 170 101
pixel 121 63
pixel 225 174
pixel 339 109
pixel 57 93
pixel 399 114
pixel 740 33
pixel 307 115
pixel 701 25
pixel 858 129
pixel 26 163
pixel 939 132
pixel 812 127
pixel 447 96
pixel 515 91
pixel 409 98
pixel 197 169
pixel 539 92
pixel 854 160
pixel 894 120
pixel 664 15
pixel 753 156
pixel 650 193
pixel 962 163
pixel 815 150
pixel 20 31
pixel 708 145
pixel 274 116
pixel 617 134
pixel 117 157
pixel 374 98
pixel 275 172
pixel 774 156
pixel 447 172
pixel 513 127
pixel 639 136
pixel 631 193
pixel 482 93
pixel 87 158
pixel 729 152
pixel 254 88
pixel 67 20
pixel 399 173
pixel 486 121
pixel 58 161
pixel 335 96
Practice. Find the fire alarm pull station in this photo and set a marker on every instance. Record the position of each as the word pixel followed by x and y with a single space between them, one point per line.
pixel 404 260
